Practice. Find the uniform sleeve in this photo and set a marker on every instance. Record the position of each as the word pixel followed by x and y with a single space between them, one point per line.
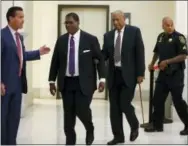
pixel 182 45
pixel 155 50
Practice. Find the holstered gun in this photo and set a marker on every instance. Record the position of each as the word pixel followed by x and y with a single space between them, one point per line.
pixel 172 68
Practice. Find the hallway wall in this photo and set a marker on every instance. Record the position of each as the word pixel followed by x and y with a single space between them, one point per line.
pixel 41 28
pixel 145 14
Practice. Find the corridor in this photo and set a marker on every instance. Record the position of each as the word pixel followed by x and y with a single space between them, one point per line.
pixel 43 124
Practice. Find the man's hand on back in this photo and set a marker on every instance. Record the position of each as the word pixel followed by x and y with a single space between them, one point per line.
pixel 101 87
pixel 140 79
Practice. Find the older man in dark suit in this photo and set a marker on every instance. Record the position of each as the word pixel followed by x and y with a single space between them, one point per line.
pixel 124 49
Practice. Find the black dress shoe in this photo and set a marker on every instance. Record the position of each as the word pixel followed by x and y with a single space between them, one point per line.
pixel 184 132
pixel 134 135
pixel 71 140
pixel 153 129
pixel 116 141
pixel 167 121
pixel 89 138
pixel 70 143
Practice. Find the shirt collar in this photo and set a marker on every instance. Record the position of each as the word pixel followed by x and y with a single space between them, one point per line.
pixel 122 30
pixel 12 30
pixel 171 34
pixel 76 35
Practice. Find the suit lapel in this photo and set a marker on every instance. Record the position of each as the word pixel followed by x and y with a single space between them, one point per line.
pixel 12 41
pixel 65 45
pixel 125 39
pixel 22 43
pixel 81 43
pixel 112 38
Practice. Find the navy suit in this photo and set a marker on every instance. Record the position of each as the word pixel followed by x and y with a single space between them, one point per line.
pixel 15 85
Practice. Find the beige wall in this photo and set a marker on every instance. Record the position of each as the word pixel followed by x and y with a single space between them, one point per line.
pixel 4 7
pixel 42 28
pixel 181 25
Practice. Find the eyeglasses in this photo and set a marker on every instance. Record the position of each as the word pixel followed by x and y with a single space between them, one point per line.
pixel 68 22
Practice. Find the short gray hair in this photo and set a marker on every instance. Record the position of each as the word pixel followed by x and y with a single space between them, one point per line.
pixel 119 12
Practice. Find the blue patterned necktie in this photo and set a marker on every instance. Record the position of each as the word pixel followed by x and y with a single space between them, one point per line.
pixel 72 57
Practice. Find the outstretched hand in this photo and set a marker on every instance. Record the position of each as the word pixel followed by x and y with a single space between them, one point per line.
pixel 44 50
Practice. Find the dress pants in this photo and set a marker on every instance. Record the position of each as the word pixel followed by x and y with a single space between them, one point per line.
pixel 10 115
pixel 121 96
pixel 75 103
pixel 169 83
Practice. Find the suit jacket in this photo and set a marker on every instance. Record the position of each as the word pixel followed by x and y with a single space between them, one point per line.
pixel 10 62
pixel 132 55
pixel 97 71
pixel 87 75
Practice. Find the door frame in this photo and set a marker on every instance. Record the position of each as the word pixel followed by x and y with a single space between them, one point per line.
pixel 61 7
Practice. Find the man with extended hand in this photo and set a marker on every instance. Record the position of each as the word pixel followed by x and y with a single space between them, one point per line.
pixel 13 73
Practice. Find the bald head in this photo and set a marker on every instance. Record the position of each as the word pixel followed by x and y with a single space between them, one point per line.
pixel 118 19
pixel 168 25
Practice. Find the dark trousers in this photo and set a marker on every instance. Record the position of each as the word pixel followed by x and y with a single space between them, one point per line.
pixel 75 103
pixel 121 97
pixel 166 84
pixel 10 116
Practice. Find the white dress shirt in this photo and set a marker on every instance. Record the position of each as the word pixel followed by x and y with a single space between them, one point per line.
pixel 118 64
pixel 13 32
pixel 76 37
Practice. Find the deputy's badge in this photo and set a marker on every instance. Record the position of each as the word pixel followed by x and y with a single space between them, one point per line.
pixel 182 39
pixel 170 39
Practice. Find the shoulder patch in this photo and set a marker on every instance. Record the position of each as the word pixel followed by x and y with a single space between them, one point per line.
pixel 160 37
pixel 184 48
pixel 182 39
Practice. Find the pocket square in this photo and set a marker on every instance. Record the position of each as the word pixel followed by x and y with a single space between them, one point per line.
pixel 85 51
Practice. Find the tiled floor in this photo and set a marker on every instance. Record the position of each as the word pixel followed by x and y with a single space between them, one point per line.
pixel 43 124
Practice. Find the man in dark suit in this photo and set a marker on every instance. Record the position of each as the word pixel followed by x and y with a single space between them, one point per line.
pixel 13 74
pixel 73 62
pixel 124 49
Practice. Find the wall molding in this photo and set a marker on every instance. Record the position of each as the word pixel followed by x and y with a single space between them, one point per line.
pixel 44 93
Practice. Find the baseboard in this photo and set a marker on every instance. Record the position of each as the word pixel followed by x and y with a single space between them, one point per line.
pixel 27 102
pixel 44 93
